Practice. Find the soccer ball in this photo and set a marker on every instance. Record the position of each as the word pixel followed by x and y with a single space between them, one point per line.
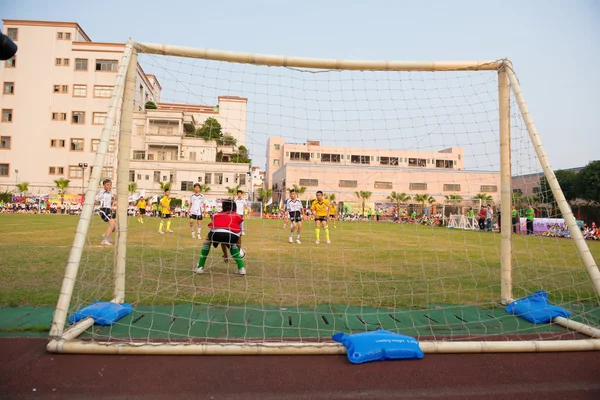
pixel 242 253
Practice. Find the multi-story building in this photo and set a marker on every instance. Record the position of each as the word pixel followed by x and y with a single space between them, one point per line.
pixel 345 170
pixel 54 100
pixel 257 180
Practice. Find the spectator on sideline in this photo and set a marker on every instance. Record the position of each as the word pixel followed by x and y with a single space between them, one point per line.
pixel 530 215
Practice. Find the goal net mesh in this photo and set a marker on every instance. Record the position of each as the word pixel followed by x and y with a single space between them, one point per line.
pixel 411 158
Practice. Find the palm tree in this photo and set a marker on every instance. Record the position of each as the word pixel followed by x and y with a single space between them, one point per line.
pixel 398 198
pixel 483 197
pixel 204 188
pixel 431 202
pixel 23 187
pixel 265 195
pixel 421 199
pixel 330 197
pixel 454 199
pixel 299 190
pixel 132 187
pixel 232 190
pixel 165 186
pixel 62 184
pixel 364 196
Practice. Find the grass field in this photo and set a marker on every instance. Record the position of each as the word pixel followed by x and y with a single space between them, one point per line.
pixel 369 264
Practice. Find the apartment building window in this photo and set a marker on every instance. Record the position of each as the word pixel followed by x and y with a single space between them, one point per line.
pixel 139 155
pixel 9 88
pixel 444 163
pixel 383 185
pixel 275 162
pixel 187 185
pixel 308 182
pixel 75 172
pixel 78 117
pixel 58 61
pixel 417 186
pixel 4 168
pixel 147 177
pixel 57 143
pixel 66 62
pixel 276 147
pixel 356 159
pixel 61 89
pixel 81 64
pixel 388 161
pixel 494 189
pixel 242 179
pixel 156 177
pixel 207 178
pixel 107 172
pixel 13 33
pixel 67 35
pixel 451 187
pixel 298 156
pixel 199 179
pixel 218 178
pixel 59 116
pixel 59 35
pixel 131 176
pixel 106 65
pixel 192 156
pixel 79 90
pixel 103 91
pixel 417 162
pixel 11 62
pixel 5 142
pixel 76 145
pixel 94 146
pixel 98 118
pixel 334 158
pixel 518 192
pixel 56 170
pixel 350 184
pixel 7 115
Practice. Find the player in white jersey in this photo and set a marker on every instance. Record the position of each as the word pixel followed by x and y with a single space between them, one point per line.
pixel 196 210
pixel 241 205
pixel 106 202
pixel 294 209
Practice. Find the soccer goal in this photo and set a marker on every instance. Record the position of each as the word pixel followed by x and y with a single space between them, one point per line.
pixel 393 145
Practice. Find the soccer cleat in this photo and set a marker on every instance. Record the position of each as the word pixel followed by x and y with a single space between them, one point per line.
pixel 241 271
pixel 161 232
pixel 316 242
pixel 199 271
pixel 298 241
pixel 198 237
pixel 243 233
pixel 193 235
pixel 169 231
pixel 290 239
pixel 106 242
pixel 328 241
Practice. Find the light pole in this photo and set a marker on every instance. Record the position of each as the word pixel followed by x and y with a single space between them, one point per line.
pixel 83 166
pixel 16 177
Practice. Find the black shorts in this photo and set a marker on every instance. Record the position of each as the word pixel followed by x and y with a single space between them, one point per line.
pixel 222 238
pixel 196 217
pixel 106 214
pixel 166 216
pixel 142 211
pixel 324 219
pixel 295 216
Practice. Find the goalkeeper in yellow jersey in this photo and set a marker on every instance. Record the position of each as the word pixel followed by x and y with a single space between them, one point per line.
pixel 333 212
pixel 320 208
pixel 141 205
pixel 165 213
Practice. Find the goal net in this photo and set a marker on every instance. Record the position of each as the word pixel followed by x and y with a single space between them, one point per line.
pixel 439 209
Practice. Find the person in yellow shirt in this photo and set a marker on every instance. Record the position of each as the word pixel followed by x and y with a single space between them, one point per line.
pixel 141 205
pixel 165 213
pixel 333 212
pixel 320 208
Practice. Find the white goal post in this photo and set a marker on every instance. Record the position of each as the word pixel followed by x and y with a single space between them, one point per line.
pixel 119 116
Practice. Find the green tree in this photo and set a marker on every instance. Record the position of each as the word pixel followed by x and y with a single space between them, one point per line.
pixel 232 190
pixel 264 195
pixel 23 187
pixel 165 186
pixel 569 182
pixel 399 198
pixel 204 188
pixel 421 199
pixel 227 140
pixel 483 197
pixel 239 158
pixel 330 197
pixel 132 187
pixel 454 199
pixel 364 195
pixel 62 184
pixel 589 182
pixel 210 130
pixel 298 189
pixel 150 105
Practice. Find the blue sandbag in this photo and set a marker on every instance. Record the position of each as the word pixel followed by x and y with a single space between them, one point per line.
pixel 536 308
pixel 104 313
pixel 378 345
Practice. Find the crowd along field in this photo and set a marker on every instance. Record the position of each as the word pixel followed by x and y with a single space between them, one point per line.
pixel 376 264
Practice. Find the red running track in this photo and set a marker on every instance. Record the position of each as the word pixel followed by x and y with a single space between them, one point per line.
pixel 28 371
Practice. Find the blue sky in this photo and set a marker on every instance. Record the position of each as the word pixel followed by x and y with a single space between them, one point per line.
pixel 554 45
